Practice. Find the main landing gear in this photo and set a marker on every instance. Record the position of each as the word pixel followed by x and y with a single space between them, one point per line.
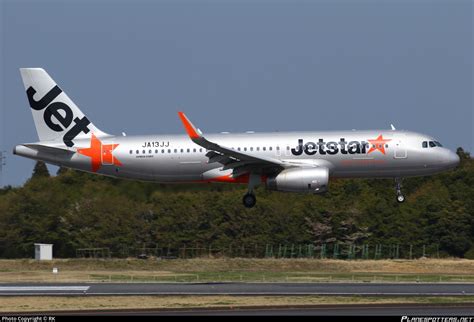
pixel 249 198
pixel 398 187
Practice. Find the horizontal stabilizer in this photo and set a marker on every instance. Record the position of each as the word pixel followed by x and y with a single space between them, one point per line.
pixel 48 149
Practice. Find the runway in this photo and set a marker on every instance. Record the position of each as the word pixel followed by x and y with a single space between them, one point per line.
pixel 324 310
pixel 243 289
pixel 295 310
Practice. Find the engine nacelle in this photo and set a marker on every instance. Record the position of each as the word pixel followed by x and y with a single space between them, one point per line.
pixel 311 180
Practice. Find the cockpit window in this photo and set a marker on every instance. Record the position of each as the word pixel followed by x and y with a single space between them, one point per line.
pixel 431 144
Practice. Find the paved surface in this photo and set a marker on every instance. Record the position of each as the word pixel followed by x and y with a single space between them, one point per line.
pixel 351 310
pixel 378 310
pixel 401 289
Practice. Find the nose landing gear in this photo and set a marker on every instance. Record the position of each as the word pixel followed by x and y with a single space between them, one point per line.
pixel 398 187
pixel 400 198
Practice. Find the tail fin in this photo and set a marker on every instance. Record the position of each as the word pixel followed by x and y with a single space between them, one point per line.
pixel 55 114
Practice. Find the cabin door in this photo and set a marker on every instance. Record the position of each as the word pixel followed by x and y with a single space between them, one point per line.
pixel 400 147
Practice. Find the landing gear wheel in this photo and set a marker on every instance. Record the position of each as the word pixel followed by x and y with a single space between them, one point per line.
pixel 398 188
pixel 249 200
pixel 400 198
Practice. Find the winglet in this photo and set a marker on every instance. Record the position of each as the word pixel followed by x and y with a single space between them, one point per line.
pixel 189 127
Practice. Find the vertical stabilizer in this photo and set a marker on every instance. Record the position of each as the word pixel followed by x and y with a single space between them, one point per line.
pixel 55 115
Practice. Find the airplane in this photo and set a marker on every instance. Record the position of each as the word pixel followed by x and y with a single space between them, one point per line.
pixel 300 162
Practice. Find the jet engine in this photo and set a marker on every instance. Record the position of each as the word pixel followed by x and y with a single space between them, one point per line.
pixel 311 180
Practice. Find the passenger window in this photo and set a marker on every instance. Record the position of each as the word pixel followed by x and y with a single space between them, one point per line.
pixel 425 144
pixel 163 151
pixel 188 150
pixel 156 151
pixel 194 150
pixel 131 151
pixel 245 149
pixel 251 149
pixel 149 151
pixel 238 148
pixel 270 148
pixel 144 151
pixel 200 150
pixel 278 148
pixel 432 144
pixel 137 151
pixel 264 148
pixel 169 150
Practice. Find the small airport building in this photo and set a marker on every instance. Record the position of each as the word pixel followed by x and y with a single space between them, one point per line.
pixel 44 252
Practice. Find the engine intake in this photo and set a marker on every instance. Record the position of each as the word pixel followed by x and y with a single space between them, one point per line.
pixel 311 180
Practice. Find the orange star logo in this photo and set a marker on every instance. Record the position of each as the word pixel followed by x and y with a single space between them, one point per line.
pixel 378 144
pixel 100 153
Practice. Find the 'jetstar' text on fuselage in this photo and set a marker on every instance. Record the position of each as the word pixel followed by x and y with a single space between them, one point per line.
pixel 321 147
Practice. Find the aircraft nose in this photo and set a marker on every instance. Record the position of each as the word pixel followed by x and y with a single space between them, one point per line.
pixel 452 159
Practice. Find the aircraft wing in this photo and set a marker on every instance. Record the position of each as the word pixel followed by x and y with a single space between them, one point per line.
pixel 239 162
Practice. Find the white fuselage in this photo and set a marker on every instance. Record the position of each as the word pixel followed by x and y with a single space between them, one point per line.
pixel 175 158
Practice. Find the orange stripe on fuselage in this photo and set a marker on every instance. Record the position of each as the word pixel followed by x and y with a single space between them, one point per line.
pixel 229 179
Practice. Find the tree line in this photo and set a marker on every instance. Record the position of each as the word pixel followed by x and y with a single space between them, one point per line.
pixel 75 210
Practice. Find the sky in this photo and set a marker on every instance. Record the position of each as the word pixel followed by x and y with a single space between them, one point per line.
pixel 242 65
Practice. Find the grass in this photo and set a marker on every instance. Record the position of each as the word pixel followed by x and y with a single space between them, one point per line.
pixel 44 303
pixel 237 269
pixel 285 277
